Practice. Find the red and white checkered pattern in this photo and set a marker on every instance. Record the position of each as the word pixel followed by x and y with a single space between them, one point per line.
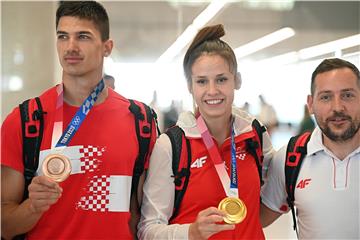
pixel 107 194
pixel 91 158
pixel 98 198
pixel 240 153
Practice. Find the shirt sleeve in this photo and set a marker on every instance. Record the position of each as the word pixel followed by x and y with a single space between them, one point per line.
pixel 158 199
pixel 11 142
pixel 273 193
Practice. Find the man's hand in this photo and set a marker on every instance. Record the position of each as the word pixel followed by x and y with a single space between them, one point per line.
pixel 43 192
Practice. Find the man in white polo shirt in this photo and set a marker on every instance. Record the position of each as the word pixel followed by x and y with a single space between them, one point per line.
pixel 327 189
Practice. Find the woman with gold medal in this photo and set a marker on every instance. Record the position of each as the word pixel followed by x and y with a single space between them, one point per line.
pixel 222 199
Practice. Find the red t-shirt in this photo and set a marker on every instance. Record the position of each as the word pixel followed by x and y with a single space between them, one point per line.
pixel 96 196
pixel 205 190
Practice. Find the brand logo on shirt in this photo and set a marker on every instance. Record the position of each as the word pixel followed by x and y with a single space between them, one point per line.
pixel 198 163
pixel 303 183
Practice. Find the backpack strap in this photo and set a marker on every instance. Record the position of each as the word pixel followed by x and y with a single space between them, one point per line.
pixel 155 118
pixel 32 125
pixel 255 146
pixel 181 161
pixel 295 153
pixel 143 116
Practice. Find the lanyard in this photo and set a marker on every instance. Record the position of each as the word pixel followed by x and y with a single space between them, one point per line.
pixel 78 118
pixel 234 179
pixel 229 183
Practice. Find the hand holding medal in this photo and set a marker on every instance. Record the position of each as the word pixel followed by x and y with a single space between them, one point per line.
pixel 207 224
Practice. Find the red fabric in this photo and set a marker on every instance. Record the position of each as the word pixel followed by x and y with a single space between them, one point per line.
pixel 108 127
pixel 205 189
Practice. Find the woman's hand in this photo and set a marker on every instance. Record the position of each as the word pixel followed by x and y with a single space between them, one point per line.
pixel 208 223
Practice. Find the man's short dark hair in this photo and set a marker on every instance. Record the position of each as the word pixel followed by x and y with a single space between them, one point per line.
pixel 331 64
pixel 89 10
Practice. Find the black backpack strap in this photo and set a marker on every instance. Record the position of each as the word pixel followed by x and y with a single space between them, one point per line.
pixel 143 127
pixel 155 119
pixel 255 147
pixel 295 153
pixel 259 129
pixel 180 170
pixel 32 136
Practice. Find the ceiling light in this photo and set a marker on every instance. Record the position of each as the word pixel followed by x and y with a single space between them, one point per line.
pixel 274 5
pixel 282 59
pixel 15 83
pixel 335 47
pixel 329 47
pixel 264 42
pixel 200 21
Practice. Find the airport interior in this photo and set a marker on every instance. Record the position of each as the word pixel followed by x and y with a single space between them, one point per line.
pixel 277 43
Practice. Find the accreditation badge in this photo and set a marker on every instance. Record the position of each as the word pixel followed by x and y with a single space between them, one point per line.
pixel 57 167
pixel 235 210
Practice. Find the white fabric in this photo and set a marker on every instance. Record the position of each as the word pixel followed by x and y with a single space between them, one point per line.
pixel 117 202
pixel 105 192
pixel 82 158
pixel 326 193
pixel 157 208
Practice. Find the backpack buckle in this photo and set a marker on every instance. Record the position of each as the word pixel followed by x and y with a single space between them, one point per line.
pixel 31 129
pixel 145 129
pixel 292 159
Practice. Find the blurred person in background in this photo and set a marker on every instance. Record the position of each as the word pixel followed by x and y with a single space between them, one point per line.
pixel 210 68
pixel 246 107
pixel 170 116
pixel 327 193
pixel 267 115
pixel 154 104
pixel 307 123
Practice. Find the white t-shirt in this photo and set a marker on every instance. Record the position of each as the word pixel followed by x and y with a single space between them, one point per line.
pixel 326 194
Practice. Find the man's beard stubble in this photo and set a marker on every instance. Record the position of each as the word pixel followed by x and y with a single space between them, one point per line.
pixel 346 135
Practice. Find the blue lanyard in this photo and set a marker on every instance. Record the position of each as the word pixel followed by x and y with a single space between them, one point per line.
pixel 80 115
pixel 233 171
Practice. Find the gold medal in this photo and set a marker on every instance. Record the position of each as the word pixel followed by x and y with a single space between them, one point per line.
pixel 235 210
pixel 57 167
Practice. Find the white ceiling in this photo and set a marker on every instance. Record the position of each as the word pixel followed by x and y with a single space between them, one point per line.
pixel 143 30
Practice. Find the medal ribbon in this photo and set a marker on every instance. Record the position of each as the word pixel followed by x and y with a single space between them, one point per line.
pixel 78 118
pixel 234 184
pixel 217 160
pixel 58 121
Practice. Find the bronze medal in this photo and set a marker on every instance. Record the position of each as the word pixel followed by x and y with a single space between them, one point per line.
pixel 57 167
pixel 235 210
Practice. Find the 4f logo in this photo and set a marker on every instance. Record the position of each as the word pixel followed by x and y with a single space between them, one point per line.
pixel 303 183
pixel 198 163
